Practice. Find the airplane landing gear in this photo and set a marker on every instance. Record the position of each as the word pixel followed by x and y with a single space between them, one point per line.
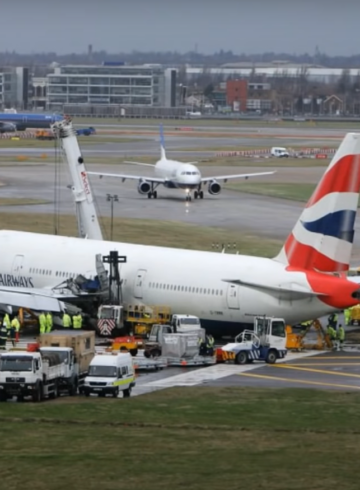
pixel 152 194
pixel 188 197
pixel 199 194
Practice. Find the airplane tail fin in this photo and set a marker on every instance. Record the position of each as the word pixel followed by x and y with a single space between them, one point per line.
pixel 162 143
pixel 322 239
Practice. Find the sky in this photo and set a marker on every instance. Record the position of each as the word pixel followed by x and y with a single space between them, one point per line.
pixel 243 26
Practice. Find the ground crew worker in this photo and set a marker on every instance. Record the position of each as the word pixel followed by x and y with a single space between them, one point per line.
pixel 341 336
pixel 49 322
pixel 12 332
pixel 77 321
pixel 331 333
pixel 66 319
pixel 210 345
pixel 42 322
pixel 16 325
pixel 332 320
pixel 6 321
pixel 347 316
pixel 3 336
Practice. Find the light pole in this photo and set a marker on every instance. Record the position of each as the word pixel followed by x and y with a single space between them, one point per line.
pixel 112 198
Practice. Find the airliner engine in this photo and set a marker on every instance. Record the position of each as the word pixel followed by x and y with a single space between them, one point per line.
pixel 144 187
pixel 214 187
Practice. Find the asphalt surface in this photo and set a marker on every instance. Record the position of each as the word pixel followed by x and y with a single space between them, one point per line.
pixel 330 370
pixel 261 215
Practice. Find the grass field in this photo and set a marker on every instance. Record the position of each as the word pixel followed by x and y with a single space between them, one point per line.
pixel 20 201
pixel 78 121
pixel 196 438
pixel 83 141
pixel 149 232
pixel 293 192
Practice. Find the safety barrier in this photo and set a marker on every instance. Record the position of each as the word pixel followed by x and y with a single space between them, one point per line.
pixel 265 153
pixel 20 135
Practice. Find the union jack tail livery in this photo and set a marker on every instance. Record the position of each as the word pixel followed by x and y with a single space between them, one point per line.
pixel 322 239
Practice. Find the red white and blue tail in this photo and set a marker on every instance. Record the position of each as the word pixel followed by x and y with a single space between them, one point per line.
pixel 322 239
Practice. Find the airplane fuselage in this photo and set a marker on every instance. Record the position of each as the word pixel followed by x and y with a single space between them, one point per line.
pixel 178 175
pixel 29 120
pixel 187 281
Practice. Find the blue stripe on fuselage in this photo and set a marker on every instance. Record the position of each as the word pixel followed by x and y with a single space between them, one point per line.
pixel 338 225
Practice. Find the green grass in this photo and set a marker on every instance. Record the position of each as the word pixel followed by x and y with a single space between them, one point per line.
pixel 196 438
pixel 293 192
pixel 79 121
pixel 21 201
pixel 150 232
pixel 83 141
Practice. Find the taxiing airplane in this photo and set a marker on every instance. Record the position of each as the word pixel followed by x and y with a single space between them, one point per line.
pixel 177 175
pixel 20 121
pixel 224 290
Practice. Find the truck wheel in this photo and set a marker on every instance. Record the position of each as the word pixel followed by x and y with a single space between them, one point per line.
pixel 3 397
pixel 271 357
pixel 127 393
pixel 73 388
pixel 133 352
pixel 241 357
pixel 55 393
pixel 37 395
pixel 20 398
pixel 116 392
pixel 87 393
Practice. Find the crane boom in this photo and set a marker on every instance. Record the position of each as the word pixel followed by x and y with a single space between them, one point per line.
pixel 88 223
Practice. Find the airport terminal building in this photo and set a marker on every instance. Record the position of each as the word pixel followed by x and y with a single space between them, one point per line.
pixel 114 84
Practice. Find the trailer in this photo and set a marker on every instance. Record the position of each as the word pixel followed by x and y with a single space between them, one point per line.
pixel 266 343
pixel 76 349
pixel 33 374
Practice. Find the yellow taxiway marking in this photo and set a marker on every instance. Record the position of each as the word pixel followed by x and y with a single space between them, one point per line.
pixel 326 364
pixel 303 381
pixel 325 358
pixel 321 371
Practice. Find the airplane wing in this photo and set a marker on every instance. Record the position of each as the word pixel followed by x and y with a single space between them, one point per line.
pixel 130 177
pixel 225 178
pixel 36 299
pixel 142 164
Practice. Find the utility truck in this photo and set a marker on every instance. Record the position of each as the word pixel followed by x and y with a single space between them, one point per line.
pixel 76 350
pixel 267 342
pixel 33 374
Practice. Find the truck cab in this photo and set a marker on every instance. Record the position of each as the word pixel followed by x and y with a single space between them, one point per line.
pixel 185 323
pixel 110 374
pixel 110 317
pixel 279 152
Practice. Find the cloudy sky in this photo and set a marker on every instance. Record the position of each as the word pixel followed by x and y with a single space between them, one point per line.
pixel 244 26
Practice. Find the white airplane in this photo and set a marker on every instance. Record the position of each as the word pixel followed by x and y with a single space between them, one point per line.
pixel 177 175
pixel 224 291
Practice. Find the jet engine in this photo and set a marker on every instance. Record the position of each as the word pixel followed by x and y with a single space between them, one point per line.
pixel 144 187
pixel 214 188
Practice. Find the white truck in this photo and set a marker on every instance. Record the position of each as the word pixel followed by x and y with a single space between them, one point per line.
pixel 279 152
pixel 267 342
pixel 34 374
pixel 110 374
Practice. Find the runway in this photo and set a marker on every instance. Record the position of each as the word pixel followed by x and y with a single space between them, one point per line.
pixel 260 215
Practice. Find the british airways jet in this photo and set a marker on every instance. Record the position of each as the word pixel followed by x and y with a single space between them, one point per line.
pixel 10 122
pixel 177 175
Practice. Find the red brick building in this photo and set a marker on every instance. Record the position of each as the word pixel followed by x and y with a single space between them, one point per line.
pixel 236 94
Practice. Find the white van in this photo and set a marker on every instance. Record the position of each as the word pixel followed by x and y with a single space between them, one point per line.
pixel 279 152
pixel 110 374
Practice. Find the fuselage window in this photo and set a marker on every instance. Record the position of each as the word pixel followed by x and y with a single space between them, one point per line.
pixel 168 286
pixel 217 292
pixel 182 288
pixel 213 292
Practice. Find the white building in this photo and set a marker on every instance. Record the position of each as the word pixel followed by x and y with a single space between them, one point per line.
pixel 114 84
